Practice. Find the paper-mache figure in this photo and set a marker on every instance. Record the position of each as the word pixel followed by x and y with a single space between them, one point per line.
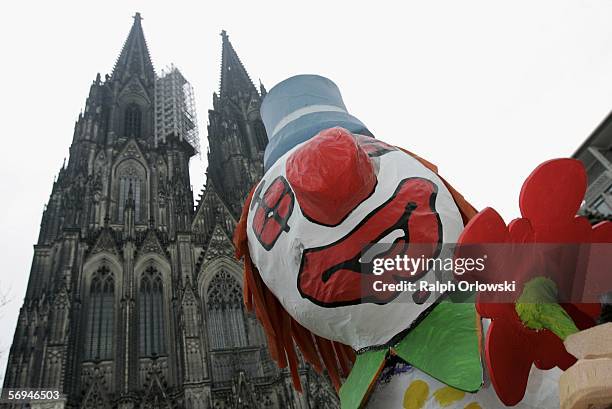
pixel 332 196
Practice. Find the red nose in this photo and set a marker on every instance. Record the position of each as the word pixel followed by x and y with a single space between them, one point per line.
pixel 330 176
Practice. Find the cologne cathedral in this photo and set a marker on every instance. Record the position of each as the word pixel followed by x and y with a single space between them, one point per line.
pixel 134 298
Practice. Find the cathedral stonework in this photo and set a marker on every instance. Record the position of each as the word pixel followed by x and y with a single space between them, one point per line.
pixel 135 298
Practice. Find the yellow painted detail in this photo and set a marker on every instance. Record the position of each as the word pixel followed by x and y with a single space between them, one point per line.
pixel 416 395
pixel 473 405
pixel 447 396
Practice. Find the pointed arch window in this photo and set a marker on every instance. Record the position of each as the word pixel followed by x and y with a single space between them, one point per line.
pixel 261 136
pixel 225 312
pixel 131 176
pixel 133 121
pixel 127 183
pixel 151 314
pixel 100 316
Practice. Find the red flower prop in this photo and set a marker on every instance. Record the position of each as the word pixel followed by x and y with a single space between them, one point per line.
pixel 549 201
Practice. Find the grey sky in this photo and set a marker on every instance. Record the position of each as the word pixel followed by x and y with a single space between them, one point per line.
pixel 485 89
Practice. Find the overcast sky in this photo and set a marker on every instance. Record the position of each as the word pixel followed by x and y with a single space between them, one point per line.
pixel 485 89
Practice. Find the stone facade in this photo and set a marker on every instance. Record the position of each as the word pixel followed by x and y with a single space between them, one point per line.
pixel 134 298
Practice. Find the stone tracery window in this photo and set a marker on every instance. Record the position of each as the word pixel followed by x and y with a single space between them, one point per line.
pixel 131 177
pixel 260 133
pixel 100 316
pixel 225 312
pixel 133 121
pixel 151 314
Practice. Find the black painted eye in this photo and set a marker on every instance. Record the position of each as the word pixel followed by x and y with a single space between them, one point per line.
pixel 272 211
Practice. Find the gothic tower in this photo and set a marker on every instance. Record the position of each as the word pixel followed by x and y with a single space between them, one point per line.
pixel 236 134
pixel 134 297
pixel 241 368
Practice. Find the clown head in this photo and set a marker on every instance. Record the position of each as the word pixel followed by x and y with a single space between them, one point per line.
pixel 331 196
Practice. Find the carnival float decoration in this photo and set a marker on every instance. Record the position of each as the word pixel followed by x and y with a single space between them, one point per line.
pixel 333 199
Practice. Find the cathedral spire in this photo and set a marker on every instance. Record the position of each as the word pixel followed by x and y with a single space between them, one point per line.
pixel 134 58
pixel 234 77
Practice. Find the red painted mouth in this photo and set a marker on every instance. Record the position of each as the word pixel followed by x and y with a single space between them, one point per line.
pixel 333 275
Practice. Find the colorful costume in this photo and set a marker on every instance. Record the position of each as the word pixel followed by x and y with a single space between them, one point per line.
pixel 333 196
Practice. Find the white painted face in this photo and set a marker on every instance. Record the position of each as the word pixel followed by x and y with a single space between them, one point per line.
pixel 314 268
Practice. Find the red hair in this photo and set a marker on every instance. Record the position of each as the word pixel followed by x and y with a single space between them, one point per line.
pixel 282 331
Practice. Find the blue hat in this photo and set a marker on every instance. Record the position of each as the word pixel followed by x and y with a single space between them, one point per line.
pixel 300 107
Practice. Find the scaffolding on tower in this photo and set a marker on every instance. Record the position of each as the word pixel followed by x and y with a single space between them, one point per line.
pixel 175 112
